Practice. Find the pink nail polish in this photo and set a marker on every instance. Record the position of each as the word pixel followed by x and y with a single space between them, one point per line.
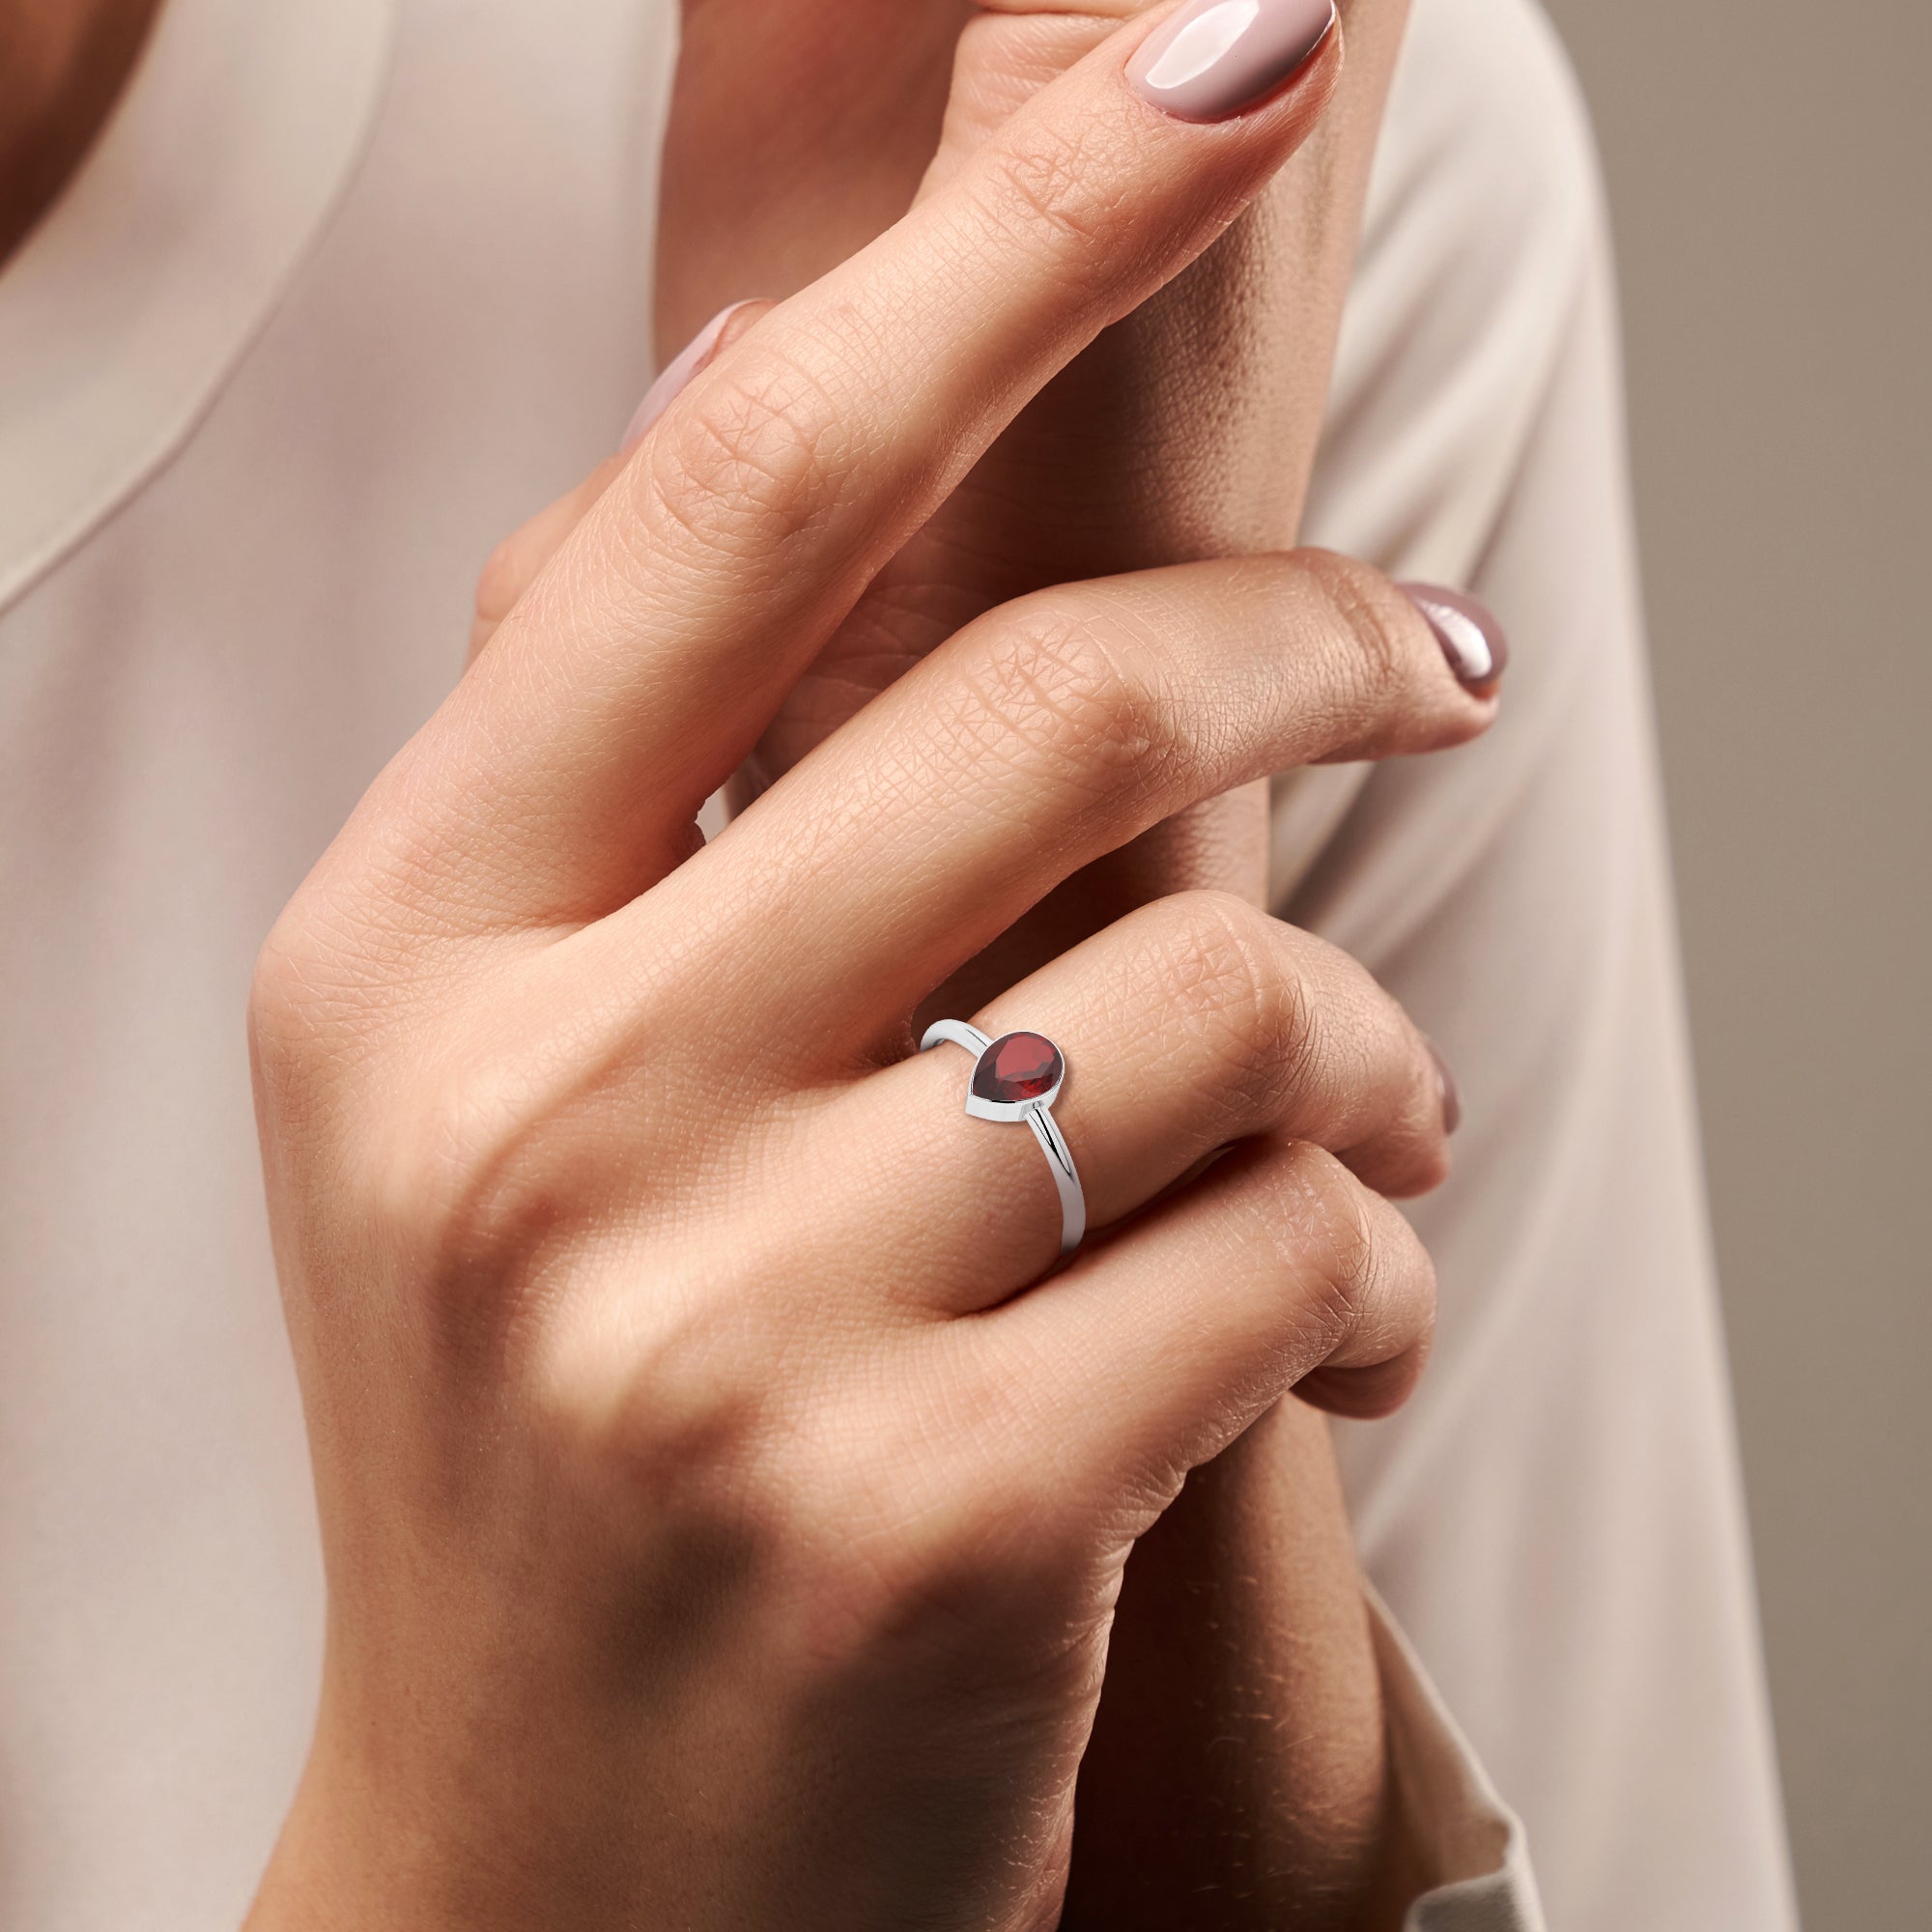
pixel 1471 638
pixel 1217 57
pixel 690 362
pixel 1452 1096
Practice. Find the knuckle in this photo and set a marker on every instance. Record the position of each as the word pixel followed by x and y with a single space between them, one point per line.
pixel 1223 973
pixel 1400 1135
pixel 1070 688
pixel 1330 1223
pixel 449 1172
pixel 1374 1285
pixel 1355 1258
pixel 1430 1159
pixel 1049 186
pixel 679 1414
pixel 310 985
pixel 1427 1166
pixel 420 1169
pixel 473 1190
pixel 980 1562
pixel 749 463
pixel 282 996
pixel 476 1154
pixel 938 1519
pixel 668 1435
pixel 1377 666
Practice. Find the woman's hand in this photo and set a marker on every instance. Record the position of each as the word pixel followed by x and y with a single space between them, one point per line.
pixel 800 129
pixel 722 1524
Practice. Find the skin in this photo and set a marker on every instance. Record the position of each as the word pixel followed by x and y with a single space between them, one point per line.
pixel 1238 1774
pixel 724 1511
pixel 63 64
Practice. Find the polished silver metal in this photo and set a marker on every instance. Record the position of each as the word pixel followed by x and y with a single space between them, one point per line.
pixel 1036 1113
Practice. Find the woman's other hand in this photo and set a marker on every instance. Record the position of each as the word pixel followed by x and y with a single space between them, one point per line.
pixel 1187 430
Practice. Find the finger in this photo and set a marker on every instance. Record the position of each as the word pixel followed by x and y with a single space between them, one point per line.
pixel 640 668
pixel 516 563
pixel 1277 1270
pixel 1190 1025
pixel 1009 50
pixel 1041 738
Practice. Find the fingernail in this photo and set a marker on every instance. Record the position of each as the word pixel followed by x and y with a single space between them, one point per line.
pixel 1216 57
pixel 1452 1099
pixel 1471 638
pixel 690 362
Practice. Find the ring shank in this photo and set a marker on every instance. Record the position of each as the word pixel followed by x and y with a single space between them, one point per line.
pixel 955 1032
pixel 1065 1178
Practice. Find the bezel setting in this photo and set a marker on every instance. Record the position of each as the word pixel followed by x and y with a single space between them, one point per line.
pixel 982 1108
pixel 1036 1059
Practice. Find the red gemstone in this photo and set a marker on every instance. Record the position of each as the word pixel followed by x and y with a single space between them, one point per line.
pixel 1020 1066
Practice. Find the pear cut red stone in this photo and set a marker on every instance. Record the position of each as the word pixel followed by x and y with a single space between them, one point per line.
pixel 1017 1068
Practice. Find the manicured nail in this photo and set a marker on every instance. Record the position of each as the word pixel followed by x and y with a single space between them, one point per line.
pixel 690 362
pixel 1452 1099
pixel 1471 638
pixel 1217 57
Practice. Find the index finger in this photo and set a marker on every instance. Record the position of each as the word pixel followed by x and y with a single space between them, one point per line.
pixel 642 665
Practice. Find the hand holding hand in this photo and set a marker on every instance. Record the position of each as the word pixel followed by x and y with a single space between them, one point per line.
pixel 723 1516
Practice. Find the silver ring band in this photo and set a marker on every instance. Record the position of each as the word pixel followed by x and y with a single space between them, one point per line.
pixel 1024 1093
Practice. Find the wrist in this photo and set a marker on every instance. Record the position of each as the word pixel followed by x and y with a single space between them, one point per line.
pixel 1242 1651
pixel 315 1877
pixel 353 1854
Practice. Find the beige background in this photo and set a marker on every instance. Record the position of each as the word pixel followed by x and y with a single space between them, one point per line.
pixel 1770 177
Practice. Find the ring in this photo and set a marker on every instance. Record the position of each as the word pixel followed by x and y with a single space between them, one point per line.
pixel 1018 1077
